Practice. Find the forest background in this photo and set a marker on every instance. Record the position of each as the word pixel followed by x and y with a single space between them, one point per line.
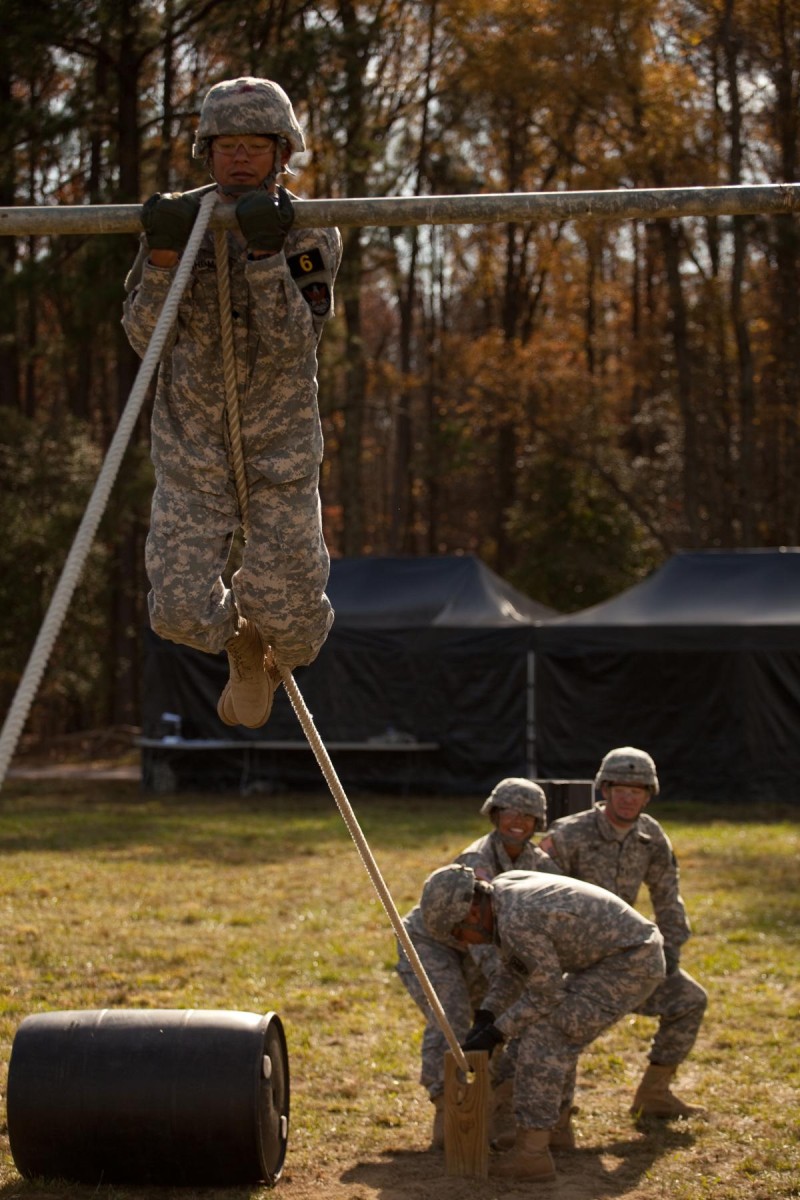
pixel 571 400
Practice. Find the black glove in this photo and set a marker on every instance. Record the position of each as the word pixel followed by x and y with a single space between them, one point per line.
pixel 485 1038
pixel 481 1019
pixel 673 956
pixel 167 220
pixel 265 219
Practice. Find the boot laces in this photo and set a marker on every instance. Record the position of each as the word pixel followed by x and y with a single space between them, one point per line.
pixel 246 654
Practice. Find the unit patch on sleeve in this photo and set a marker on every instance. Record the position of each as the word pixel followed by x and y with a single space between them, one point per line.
pixel 318 298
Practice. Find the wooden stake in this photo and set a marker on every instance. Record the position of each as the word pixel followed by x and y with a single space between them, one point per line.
pixel 466 1116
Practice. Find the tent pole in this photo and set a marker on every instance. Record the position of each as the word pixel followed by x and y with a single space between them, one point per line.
pixel 530 724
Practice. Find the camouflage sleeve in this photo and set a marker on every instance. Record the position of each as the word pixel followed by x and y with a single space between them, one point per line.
pixel 663 883
pixel 537 972
pixel 293 291
pixel 547 863
pixel 556 846
pixel 314 264
pixel 146 290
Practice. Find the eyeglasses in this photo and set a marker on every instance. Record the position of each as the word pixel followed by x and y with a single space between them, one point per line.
pixel 252 146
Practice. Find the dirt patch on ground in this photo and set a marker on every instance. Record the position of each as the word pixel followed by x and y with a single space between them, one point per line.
pixel 616 1158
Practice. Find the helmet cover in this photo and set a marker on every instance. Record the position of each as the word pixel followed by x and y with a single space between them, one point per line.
pixel 523 795
pixel 247 106
pixel 626 764
pixel 447 896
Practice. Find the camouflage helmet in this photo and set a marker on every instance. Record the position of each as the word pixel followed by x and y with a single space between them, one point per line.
pixel 247 106
pixel 446 898
pixel 521 794
pixel 628 765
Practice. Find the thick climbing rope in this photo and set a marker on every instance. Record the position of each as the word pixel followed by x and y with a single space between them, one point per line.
pixel 298 703
pixel 351 821
pixel 231 382
pixel 76 559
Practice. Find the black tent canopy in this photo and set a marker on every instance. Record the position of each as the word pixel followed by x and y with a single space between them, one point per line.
pixel 455 591
pixel 433 650
pixel 699 665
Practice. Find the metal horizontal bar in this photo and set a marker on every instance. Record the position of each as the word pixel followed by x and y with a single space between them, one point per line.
pixel 482 209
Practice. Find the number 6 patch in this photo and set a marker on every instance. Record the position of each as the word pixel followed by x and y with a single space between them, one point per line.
pixel 308 269
pixel 306 263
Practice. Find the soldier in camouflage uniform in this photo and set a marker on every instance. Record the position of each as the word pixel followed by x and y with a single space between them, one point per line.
pixel 281 285
pixel 616 845
pixel 517 808
pixel 574 960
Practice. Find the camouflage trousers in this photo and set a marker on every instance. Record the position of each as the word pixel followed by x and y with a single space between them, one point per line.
pixel 280 584
pixel 449 972
pixel 680 1004
pixel 593 1000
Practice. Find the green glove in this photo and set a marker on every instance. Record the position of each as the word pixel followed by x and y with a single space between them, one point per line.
pixel 167 220
pixel 264 219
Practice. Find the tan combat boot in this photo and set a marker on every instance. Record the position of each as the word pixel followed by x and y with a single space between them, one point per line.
pixel 529 1159
pixel 654 1099
pixel 502 1126
pixel 437 1133
pixel 562 1135
pixel 247 697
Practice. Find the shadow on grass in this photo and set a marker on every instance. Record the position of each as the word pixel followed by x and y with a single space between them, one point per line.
pixel 611 1169
pixel 79 816
pixel 62 1189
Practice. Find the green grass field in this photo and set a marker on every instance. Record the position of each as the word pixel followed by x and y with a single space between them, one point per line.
pixel 112 899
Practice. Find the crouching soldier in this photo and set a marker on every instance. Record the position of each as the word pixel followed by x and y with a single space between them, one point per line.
pixel 517 808
pixel 574 960
pixel 616 845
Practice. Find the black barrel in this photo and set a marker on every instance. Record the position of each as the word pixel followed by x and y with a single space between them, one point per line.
pixel 162 1096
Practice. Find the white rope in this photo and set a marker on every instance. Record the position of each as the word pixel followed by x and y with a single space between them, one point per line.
pixel 351 821
pixel 76 559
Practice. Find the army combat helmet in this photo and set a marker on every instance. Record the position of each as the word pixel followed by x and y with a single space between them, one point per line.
pixel 626 764
pixel 247 106
pixel 447 896
pixel 523 795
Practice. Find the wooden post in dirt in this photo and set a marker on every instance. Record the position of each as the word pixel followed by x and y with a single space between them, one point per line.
pixel 466 1116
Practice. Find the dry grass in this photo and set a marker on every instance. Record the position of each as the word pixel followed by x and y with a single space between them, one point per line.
pixel 113 899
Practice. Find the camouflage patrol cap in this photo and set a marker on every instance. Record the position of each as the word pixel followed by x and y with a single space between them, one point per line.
pixel 626 764
pixel 521 794
pixel 247 106
pixel 446 899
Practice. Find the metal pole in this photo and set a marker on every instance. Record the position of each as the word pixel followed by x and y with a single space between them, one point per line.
pixel 530 726
pixel 643 204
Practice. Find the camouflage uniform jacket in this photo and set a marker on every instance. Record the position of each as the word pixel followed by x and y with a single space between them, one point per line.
pixel 585 845
pixel 279 307
pixel 488 857
pixel 546 926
